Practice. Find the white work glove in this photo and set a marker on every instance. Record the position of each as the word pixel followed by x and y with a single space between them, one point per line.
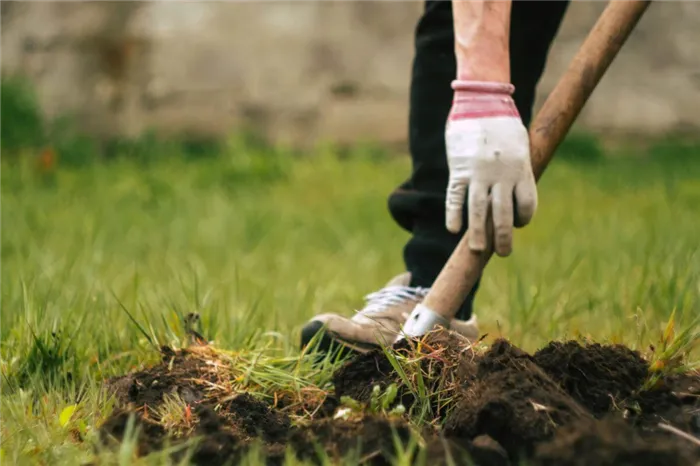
pixel 488 154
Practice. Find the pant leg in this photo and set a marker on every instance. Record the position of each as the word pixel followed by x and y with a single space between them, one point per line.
pixel 418 205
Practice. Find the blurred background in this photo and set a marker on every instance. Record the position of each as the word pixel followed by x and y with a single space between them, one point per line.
pixel 298 72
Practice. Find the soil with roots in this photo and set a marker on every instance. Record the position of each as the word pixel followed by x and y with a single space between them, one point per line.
pixel 570 403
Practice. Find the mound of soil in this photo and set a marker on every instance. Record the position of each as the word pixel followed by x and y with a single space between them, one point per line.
pixel 514 402
pixel 181 373
pixel 567 404
pixel 594 375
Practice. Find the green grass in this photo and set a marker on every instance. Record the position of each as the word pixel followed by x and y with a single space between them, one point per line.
pixel 258 241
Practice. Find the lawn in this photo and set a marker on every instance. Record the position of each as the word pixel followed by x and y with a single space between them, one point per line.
pixel 101 262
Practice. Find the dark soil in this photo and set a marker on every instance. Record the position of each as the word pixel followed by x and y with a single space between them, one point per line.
pixel 612 442
pixel 514 402
pixel 567 404
pixel 173 376
pixel 593 375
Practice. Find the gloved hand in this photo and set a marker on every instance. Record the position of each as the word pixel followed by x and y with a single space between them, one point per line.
pixel 488 154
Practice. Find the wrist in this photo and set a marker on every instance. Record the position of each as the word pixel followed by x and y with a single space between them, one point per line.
pixel 482 66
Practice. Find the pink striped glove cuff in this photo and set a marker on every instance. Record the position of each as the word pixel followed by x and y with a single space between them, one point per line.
pixel 477 99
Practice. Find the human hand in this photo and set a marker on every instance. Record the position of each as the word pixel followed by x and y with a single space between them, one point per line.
pixel 488 154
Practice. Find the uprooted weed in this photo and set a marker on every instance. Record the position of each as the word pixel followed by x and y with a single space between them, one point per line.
pixel 204 374
pixel 429 372
pixel 219 400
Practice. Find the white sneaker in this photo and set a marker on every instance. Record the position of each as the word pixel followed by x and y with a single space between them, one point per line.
pixel 380 321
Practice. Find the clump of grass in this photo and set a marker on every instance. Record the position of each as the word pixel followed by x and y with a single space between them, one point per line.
pixel 175 415
pixel 49 362
pixel 428 370
pixel 674 350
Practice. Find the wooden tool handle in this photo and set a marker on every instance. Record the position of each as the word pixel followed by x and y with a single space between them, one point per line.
pixel 548 129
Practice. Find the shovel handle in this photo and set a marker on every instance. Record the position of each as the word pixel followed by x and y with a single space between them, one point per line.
pixel 548 129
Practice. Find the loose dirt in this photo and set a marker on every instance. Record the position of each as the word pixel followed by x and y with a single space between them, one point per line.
pixel 567 404
pixel 596 375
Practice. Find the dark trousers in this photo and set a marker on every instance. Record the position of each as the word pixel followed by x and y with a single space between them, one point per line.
pixel 418 205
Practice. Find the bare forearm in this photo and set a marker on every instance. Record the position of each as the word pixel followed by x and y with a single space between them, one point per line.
pixel 481 39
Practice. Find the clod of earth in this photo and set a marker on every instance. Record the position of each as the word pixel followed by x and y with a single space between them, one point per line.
pixel 594 377
pixel 567 404
pixel 514 402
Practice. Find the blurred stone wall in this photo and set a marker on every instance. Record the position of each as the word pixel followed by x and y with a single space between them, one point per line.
pixel 305 70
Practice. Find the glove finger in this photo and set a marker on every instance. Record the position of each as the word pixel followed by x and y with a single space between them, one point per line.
pixel 525 201
pixel 478 209
pixel 502 209
pixel 454 204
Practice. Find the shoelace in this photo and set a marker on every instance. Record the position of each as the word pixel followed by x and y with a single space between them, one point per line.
pixel 392 296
